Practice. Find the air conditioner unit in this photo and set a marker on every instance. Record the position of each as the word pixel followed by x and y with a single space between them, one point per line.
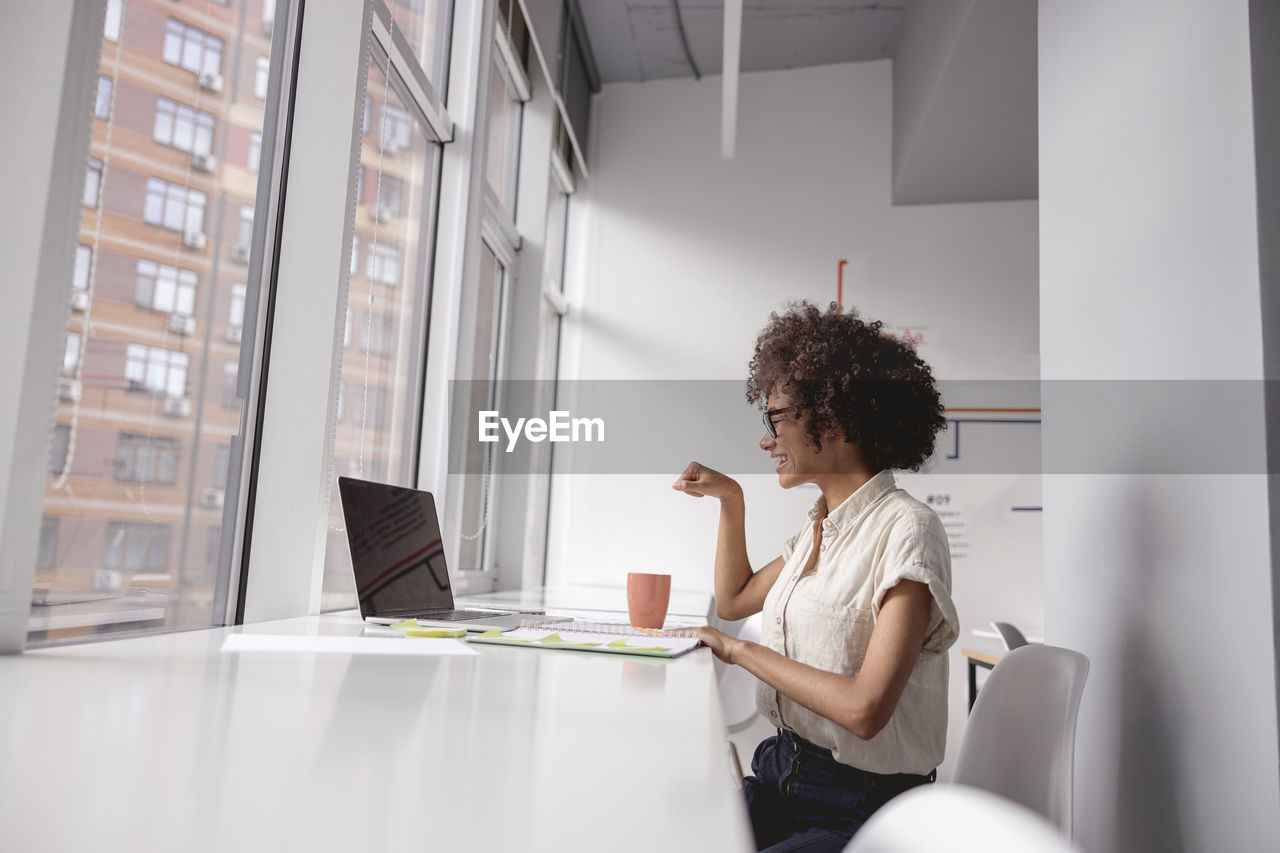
pixel 177 407
pixel 212 498
pixel 210 81
pixel 194 240
pixel 268 25
pixel 182 324
pixel 232 334
pixel 68 389
pixel 381 213
pixel 79 300
pixel 204 162
pixel 240 253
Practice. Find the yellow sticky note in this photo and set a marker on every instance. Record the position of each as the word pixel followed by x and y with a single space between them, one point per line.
pixel 411 628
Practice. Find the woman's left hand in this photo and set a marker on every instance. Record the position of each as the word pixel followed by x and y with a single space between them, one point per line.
pixel 721 644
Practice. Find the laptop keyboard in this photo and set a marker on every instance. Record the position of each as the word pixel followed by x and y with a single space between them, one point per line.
pixel 461 615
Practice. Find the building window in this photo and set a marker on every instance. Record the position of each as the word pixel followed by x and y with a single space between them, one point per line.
pixel 246 226
pixel 236 316
pixel 221 457
pixel 80 278
pixel 146 459
pixel 230 376
pixel 183 127
pixel 92 183
pixel 48 553
pixel 373 406
pixel 260 76
pixel 190 48
pixel 58 448
pixel 391 195
pixel 173 206
pixel 111 28
pixel 134 546
pixel 355 254
pixel 155 369
pixel 102 103
pixel 346 331
pixel 71 354
pixel 384 264
pixel 396 133
pixel 377 334
pixel 165 288
pixel 255 151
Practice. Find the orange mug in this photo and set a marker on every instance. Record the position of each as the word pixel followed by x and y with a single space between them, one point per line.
pixel 647 599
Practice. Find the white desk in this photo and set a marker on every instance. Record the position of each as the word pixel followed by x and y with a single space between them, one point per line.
pixel 165 743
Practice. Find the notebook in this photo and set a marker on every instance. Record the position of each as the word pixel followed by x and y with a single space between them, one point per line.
pixel 397 553
pixel 607 637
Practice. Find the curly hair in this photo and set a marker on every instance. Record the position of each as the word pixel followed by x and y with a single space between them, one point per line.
pixel 851 378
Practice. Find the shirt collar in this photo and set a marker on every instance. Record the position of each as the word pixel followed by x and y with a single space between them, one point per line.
pixel 854 505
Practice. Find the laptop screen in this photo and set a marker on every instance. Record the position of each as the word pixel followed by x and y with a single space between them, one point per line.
pixel 396 549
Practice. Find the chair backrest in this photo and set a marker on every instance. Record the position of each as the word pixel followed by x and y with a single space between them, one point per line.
pixel 956 819
pixel 737 686
pixel 1020 738
pixel 1009 635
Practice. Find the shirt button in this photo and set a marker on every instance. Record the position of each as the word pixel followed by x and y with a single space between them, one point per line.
pixel 779 620
pixel 773 714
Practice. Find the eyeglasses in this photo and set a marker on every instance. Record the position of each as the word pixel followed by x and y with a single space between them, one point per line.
pixel 770 424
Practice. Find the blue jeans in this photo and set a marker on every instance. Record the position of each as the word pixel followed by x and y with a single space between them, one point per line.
pixel 801 798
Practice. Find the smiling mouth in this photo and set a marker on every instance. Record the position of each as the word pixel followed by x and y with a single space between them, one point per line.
pixel 779 462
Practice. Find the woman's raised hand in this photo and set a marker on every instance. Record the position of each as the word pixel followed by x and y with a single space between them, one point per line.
pixel 699 480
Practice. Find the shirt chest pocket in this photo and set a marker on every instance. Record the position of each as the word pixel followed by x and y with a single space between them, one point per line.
pixel 830 637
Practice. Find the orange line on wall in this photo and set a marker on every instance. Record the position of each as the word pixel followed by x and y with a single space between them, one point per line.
pixel 963 409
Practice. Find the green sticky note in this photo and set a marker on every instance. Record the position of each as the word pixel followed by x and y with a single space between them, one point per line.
pixel 622 644
pixel 554 640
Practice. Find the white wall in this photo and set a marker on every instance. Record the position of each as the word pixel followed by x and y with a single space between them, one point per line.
pixel 677 257
pixel 1149 270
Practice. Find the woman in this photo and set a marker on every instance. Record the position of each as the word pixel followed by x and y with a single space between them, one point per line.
pixel 857 610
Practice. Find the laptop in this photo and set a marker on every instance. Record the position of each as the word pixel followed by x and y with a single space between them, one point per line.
pixel 398 556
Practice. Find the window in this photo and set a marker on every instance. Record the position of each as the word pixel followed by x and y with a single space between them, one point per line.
pixel 155 369
pixel 230 376
pixel 183 127
pixel 355 255
pixel 102 103
pixel 71 354
pixel 111 28
pixel 502 137
pixel 255 150
pixel 146 459
pixel 384 264
pixel 58 448
pixel 395 129
pixel 164 288
pixel 260 76
pixel 372 406
pixel 190 48
pixel 245 236
pixel 221 458
pixel 235 318
pixel 92 183
pixel 391 195
pixel 136 546
pixel 80 277
pixel 377 334
pixel 47 555
pixel 174 207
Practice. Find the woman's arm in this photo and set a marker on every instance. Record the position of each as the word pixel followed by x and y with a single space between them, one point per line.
pixel 739 591
pixel 861 703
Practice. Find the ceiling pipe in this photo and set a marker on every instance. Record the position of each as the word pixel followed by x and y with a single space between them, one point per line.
pixel 729 78
pixel 684 40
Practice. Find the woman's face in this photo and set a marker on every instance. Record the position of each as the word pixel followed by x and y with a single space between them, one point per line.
pixel 794 457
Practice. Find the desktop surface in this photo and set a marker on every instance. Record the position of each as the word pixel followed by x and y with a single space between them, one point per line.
pixel 165 742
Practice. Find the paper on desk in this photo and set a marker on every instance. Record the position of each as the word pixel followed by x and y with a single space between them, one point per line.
pixel 344 645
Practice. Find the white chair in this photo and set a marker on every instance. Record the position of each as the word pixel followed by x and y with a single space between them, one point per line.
pixel 957 819
pixel 737 688
pixel 1019 741
pixel 1010 636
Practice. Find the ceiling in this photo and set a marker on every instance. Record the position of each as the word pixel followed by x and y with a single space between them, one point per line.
pixel 964 75
pixel 638 40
